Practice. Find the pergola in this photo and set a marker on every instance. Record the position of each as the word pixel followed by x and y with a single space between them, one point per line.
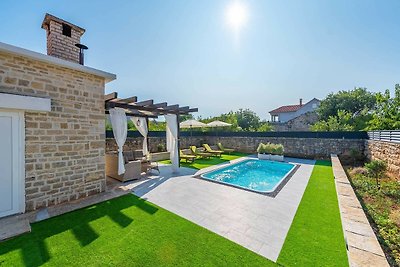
pixel 146 109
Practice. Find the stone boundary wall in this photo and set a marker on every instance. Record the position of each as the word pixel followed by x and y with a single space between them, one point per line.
pixel 64 148
pixel 387 151
pixel 294 147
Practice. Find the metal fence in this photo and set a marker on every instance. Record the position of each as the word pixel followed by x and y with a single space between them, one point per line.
pixel 387 136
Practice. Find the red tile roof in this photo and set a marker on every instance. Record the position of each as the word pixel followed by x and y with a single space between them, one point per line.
pixel 289 108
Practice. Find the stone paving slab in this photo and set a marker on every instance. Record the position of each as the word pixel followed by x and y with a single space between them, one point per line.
pixel 363 246
pixel 13 226
pixel 255 221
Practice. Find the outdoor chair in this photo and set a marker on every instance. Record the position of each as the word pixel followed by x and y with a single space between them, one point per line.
pixel 226 150
pixel 186 157
pixel 212 151
pixel 147 163
pixel 196 152
pixel 132 167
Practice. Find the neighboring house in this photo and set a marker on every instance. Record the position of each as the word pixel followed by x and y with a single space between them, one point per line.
pixel 52 123
pixel 295 117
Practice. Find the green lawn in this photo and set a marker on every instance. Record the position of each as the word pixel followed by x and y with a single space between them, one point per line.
pixel 203 163
pixel 316 237
pixel 126 231
pixel 129 231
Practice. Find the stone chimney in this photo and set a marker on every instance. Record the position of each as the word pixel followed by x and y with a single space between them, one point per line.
pixel 62 37
pixel 301 101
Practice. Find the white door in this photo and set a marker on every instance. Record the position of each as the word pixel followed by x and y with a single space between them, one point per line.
pixel 11 155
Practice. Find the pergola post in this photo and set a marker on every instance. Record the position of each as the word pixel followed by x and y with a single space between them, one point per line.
pixel 179 140
pixel 147 137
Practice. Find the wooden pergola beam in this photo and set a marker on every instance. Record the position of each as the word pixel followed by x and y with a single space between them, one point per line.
pixel 129 100
pixel 144 103
pixel 110 96
pixel 160 105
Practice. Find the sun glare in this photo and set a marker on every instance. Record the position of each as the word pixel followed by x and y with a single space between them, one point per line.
pixel 236 15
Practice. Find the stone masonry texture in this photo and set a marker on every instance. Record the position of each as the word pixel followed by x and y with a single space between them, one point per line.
pixel 294 147
pixel 65 147
pixel 387 151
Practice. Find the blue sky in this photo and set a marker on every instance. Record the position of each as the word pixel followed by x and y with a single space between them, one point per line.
pixel 182 51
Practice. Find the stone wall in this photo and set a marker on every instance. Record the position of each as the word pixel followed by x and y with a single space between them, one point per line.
pixel 300 123
pixel 65 147
pixel 387 151
pixel 136 143
pixel 295 147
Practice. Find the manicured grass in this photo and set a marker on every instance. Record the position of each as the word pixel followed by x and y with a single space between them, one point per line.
pixel 126 231
pixel 316 237
pixel 203 163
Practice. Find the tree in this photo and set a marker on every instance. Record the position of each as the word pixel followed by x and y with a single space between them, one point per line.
pixel 357 102
pixel 376 169
pixel 386 116
pixel 247 120
pixel 341 122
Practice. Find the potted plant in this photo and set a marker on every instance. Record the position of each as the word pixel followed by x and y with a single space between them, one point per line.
pixel 277 152
pixel 263 151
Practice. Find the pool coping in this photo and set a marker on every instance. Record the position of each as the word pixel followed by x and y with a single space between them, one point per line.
pixel 273 193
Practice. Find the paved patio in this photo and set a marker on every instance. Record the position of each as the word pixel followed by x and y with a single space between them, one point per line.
pixel 257 222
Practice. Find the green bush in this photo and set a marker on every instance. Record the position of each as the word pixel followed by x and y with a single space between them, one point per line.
pixel 262 148
pixel 376 169
pixel 278 149
pixel 274 149
pixel 161 148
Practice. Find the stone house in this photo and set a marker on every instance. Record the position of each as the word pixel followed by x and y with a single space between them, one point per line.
pixel 295 117
pixel 52 136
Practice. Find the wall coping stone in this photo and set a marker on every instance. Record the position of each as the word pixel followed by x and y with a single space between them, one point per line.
pixel 362 245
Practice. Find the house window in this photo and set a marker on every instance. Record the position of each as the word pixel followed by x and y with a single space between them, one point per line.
pixel 314 106
pixel 66 30
pixel 275 118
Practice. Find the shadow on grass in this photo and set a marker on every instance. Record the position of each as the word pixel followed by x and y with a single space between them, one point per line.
pixel 33 247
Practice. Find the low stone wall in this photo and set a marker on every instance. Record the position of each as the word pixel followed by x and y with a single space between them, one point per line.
pixel 294 147
pixel 387 151
pixel 134 143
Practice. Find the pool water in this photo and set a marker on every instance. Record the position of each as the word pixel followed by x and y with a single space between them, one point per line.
pixel 262 176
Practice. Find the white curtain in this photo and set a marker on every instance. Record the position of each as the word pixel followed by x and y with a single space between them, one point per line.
pixel 172 140
pixel 141 126
pixel 120 130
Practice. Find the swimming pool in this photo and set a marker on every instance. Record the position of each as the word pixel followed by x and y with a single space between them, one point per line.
pixel 262 176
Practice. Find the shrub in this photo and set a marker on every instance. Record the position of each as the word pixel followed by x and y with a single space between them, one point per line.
pixel 275 149
pixel 278 149
pixel 359 171
pixel 263 148
pixel 376 169
pixel 160 148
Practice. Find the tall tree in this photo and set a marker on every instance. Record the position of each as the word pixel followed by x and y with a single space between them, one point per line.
pixel 248 120
pixel 386 116
pixel 358 101
pixel 346 110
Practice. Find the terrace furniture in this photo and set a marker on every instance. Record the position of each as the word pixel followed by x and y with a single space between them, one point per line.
pixel 196 152
pixel 212 151
pixel 226 150
pixel 147 163
pixel 186 157
pixel 132 168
